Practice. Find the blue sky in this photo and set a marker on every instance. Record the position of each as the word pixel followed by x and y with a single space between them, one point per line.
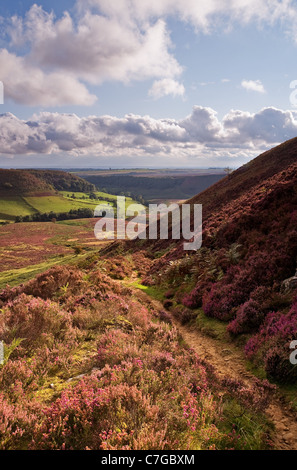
pixel 151 83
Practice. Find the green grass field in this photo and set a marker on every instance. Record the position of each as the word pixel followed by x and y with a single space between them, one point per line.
pixel 15 277
pixel 58 204
pixel 102 197
pixel 99 194
pixel 92 204
pixel 11 207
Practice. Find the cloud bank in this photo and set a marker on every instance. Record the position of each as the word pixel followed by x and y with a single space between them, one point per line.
pixel 142 136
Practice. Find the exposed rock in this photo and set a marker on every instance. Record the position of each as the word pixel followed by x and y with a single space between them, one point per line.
pixel 226 353
pixel 290 284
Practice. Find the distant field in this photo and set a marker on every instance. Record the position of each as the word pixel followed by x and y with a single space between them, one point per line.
pixel 78 195
pixel 153 173
pixel 102 198
pixel 11 207
pixel 154 185
pixel 27 249
pixel 58 204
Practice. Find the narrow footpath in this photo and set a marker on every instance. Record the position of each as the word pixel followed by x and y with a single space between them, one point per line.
pixel 229 361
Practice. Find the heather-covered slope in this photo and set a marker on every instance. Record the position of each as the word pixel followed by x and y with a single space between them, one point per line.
pixel 249 251
pixel 63 181
pixel 89 365
pixel 20 182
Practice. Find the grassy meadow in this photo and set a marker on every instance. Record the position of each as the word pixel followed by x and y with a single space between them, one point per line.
pixel 11 207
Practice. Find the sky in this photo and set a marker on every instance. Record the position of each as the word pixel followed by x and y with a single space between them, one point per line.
pixel 145 83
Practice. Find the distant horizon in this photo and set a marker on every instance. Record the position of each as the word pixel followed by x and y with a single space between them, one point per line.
pixel 68 169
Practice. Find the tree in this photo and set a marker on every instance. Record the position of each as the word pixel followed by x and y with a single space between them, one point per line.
pixel 228 171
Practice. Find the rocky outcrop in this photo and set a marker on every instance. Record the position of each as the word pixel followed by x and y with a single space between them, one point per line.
pixel 290 284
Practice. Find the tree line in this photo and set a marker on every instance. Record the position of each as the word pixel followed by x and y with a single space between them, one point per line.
pixel 73 214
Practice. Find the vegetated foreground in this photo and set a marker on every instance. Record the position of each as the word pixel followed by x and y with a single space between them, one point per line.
pixel 91 363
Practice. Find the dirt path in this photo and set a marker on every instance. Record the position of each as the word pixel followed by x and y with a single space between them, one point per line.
pixel 228 360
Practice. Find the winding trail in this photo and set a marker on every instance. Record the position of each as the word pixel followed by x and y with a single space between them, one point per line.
pixel 229 361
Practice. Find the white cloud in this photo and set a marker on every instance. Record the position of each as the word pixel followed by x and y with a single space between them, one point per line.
pixel 29 85
pixel 253 85
pixel 268 126
pixel 133 135
pixel 166 87
pixel 201 14
pixel 203 126
pixel 100 48
pixel 95 49
pixel 124 41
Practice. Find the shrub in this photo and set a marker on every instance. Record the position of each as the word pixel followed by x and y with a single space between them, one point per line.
pixel 184 315
pixel 278 366
pixel 167 304
pixel 194 299
pixel 271 346
pixel 34 320
pixel 169 294
pixel 248 318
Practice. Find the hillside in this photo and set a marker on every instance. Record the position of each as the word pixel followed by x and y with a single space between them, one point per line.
pixel 25 193
pixel 242 274
pixel 20 182
pixel 63 181
pixel 155 185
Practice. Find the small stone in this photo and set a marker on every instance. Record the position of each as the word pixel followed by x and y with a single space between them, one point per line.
pixel 226 352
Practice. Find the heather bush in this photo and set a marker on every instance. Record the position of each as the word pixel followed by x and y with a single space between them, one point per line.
pixel 271 346
pixel 33 320
pixel 17 422
pixel 222 301
pixel 248 318
pixel 16 371
pixel 116 417
pixel 114 347
pixel 183 315
pixel 169 294
pixel 193 300
pixel 146 402
pixel 164 316
pixel 47 284
pixel 97 369
pixel 251 315
pixel 167 304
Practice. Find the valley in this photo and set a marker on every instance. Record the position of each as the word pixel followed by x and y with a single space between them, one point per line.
pixel 196 340
pixel 155 186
